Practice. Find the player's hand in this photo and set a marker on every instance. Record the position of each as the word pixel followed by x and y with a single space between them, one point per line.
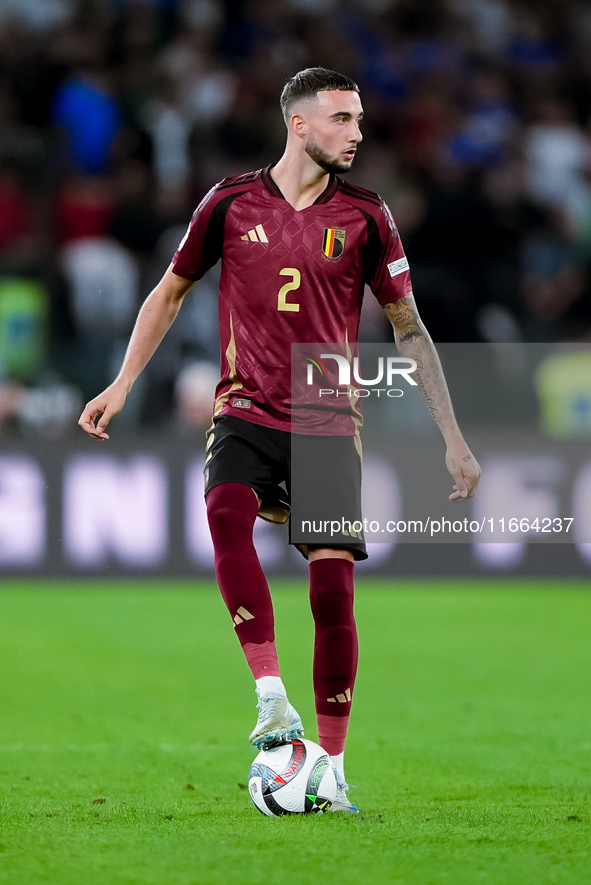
pixel 99 411
pixel 464 468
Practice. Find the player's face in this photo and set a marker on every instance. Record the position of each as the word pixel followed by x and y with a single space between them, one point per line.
pixel 333 130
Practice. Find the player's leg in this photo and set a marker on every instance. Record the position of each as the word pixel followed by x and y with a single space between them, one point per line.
pixel 335 655
pixel 326 525
pixel 232 508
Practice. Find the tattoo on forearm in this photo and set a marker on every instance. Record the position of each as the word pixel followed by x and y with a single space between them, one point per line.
pixel 413 341
pixel 467 458
pixel 412 336
pixel 430 400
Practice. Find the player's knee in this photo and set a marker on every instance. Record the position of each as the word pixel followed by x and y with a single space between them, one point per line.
pixel 226 521
pixel 231 511
pixel 333 607
pixel 225 518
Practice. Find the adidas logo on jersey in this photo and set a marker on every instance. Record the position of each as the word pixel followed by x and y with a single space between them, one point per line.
pixel 256 235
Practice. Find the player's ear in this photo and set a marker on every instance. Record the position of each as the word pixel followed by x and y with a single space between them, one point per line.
pixel 298 125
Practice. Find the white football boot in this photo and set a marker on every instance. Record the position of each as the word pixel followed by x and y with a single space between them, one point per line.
pixel 278 721
pixel 341 802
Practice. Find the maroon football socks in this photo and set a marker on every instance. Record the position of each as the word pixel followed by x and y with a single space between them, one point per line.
pixel 335 648
pixel 231 511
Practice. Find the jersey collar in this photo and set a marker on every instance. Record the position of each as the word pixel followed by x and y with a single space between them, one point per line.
pixel 326 195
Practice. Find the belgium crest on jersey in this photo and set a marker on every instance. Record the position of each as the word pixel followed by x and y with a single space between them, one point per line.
pixel 333 242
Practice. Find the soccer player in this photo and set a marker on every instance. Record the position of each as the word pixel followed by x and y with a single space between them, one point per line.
pixel 298 245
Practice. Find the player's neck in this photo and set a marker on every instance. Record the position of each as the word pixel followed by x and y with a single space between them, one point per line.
pixel 300 180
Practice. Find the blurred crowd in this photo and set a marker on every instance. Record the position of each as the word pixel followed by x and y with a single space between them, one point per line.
pixel 117 116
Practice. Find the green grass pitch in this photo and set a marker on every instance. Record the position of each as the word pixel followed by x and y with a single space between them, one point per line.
pixel 125 710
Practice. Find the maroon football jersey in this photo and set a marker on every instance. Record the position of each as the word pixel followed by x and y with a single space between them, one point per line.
pixel 287 276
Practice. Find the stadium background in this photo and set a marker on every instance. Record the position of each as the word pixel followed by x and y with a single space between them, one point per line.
pixel 116 117
pixel 126 703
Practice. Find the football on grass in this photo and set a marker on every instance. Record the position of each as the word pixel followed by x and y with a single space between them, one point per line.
pixel 293 778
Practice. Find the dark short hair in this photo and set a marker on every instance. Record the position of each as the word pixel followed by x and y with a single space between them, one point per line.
pixel 308 83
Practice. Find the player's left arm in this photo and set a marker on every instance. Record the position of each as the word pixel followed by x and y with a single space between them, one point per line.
pixel 414 341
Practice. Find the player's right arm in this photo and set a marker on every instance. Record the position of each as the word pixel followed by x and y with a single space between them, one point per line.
pixel 154 320
pixel 199 250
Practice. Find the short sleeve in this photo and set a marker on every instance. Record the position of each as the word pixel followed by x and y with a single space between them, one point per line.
pixel 202 245
pixel 388 273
